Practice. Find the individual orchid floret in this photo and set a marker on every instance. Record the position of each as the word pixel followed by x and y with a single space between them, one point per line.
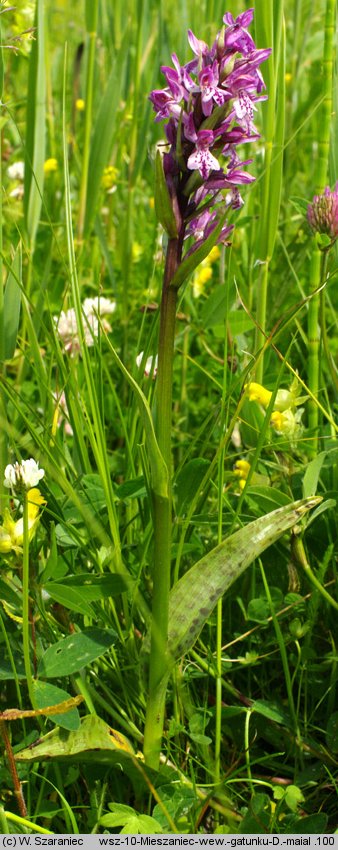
pixel 210 90
pixel 201 158
pixel 150 366
pixel 24 475
pixel 236 35
pixel 322 214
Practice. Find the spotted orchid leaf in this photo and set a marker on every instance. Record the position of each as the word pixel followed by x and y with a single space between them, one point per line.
pixel 195 595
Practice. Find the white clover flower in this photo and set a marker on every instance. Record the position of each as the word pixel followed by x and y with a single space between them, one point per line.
pixel 24 475
pixel 16 171
pixel 99 304
pixel 151 364
pixel 93 309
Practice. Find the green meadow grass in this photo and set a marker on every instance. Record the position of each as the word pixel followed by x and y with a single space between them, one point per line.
pixel 250 715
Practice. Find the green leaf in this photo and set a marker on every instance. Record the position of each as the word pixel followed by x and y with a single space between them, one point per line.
pixel 190 263
pixel 273 712
pixel 35 134
pixel 12 304
pixel 133 489
pixel 94 739
pixel 311 825
pixel 214 308
pixel 188 482
pixel 195 595
pixel 46 695
pixel 69 654
pixel 300 205
pixel 267 498
pixel 292 796
pixel 6 670
pixel 1 66
pixel 159 471
pixel 76 592
pixel 7 594
pixel 324 506
pixel 311 476
pixel 332 733
pixel 91 12
pixel 163 206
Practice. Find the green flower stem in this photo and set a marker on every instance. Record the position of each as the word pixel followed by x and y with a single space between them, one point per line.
pixel 91 15
pixel 299 555
pixel 323 330
pixel 162 517
pixel 25 604
pixel 321 170
pixel 283 655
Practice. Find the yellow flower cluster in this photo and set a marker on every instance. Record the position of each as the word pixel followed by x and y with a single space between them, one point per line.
pixel 285 419
pixel 204 272
pixel 109 177
pixel 50 165
pixel 241 470
pixel 11 532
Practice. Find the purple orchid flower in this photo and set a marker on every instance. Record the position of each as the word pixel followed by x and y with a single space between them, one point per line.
pixel 208 105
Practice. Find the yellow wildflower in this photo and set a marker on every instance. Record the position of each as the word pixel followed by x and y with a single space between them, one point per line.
pixel 285 399
pixel 287 423
pixel 11 532
pixel 242 469
pixel 214 254
pixel 50 165
pixel 152 203
pixel 80 104
pixel 258 393
pixel 109 177
pixel 201 276
pixel 136 252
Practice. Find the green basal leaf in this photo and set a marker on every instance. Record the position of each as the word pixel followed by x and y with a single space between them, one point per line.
pixel 163 205
pixel 94 737
pixel 195 595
